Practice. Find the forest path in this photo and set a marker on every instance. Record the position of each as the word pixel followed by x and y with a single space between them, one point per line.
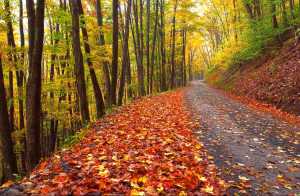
pixel 256 153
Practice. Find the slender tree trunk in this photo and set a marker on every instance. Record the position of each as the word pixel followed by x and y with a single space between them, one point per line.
pixel 163 53
pixel 102 43
pixel 53 121
pixel 148 45
pixel 33 87
pixel 128 76
pixel 20 79
pixel 97 91
pixel 249 10
pixel 183 68
pixel 114 71
pixel 257 9
pixel 6 143
pixel 142 32
pixel 138 47
pixel 125 56
pixel 79 70
pixel 273 12
pixel 291 2
pixel 154 46
pixel 13 59
pixel 173 66
pixel 284 13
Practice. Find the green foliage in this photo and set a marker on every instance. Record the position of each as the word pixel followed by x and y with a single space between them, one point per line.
pixel 245 38
pixel 74 139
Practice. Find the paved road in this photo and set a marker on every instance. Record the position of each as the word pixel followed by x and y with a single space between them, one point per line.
pixel 256 153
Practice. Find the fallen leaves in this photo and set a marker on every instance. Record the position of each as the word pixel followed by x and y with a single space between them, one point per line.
pixel 260 106
pixel 147 148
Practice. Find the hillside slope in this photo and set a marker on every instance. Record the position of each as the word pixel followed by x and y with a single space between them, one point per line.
pixel 272 79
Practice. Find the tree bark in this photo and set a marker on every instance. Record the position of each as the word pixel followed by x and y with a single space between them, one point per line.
pixel 100 108
pixel 20 73
pixel 33 87
pixel 163 53
pixel 138 47
pixel 292 5
pixel 78 65
pixel 6 143
pixel 53 121
pixel 273 12
pixel 154 46
pixel 102 43
pixel 284 13
pixel 148 46
pixel 125 56
pixel 114 71
pixel 13 59
pixel 183 69
pixel 173 66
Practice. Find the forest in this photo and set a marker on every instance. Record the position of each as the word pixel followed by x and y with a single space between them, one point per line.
pixel 67 66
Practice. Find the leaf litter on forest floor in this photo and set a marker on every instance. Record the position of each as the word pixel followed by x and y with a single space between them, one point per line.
pixel 147 148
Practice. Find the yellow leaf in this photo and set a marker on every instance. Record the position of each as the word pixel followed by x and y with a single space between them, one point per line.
pixel 142 179
pixel 198 158
pixel 202 178
pixel 198 146
pixel 208 189
pixel 103 172
pixel 135 192
pixel 103 158
pixel 126 157
pixel 115 158
pixel 243 178
pixel 89 157
pixel 160 188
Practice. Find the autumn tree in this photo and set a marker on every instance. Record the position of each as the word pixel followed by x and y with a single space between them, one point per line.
pixel 78 65
pixel 115 48
pixel 9 159
pixel 125 54
pixel 96 87
pixel 34 82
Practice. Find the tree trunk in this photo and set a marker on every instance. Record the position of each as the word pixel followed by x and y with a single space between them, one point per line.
pixel 97 91
pixel 257 8
pixel 102 43
pixel 138 47
pixel 183 68
pixel 284 13
pixel 125 56
pixel 273 12
pixel 33 87
pixel 20 79
pixel 173 66
pixel 148 45
pixel 154 46
pixel 114 71
pixel 163 53
pixel 6 143
pixel 53 121
pixel 13 59
pixel 79 70
pixel 291 2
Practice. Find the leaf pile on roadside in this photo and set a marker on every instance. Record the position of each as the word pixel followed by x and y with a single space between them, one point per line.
pixel 145 148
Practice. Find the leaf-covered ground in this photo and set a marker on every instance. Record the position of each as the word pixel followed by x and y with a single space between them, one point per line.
pixel 276 81
pixel 147 148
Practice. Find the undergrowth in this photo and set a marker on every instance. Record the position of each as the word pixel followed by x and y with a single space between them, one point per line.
pixel 256 39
